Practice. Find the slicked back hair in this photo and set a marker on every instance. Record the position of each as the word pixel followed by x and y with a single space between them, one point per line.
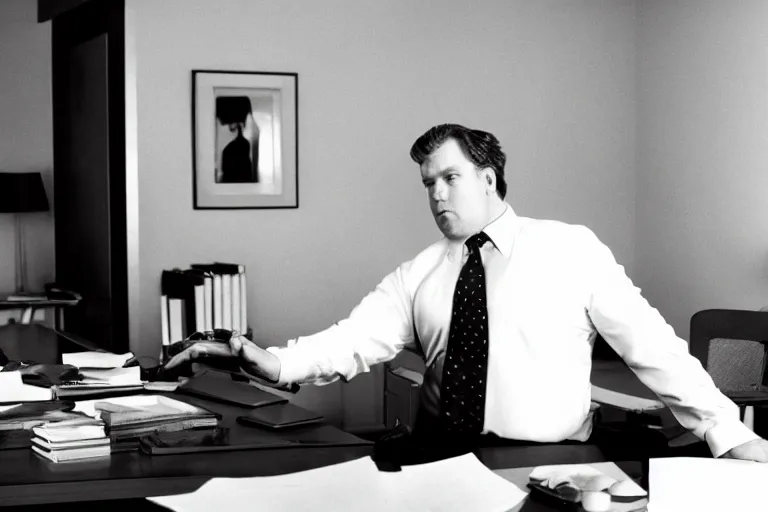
pixel 481 148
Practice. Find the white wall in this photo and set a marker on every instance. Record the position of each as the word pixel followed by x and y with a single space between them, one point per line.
pixel 26 140
pixel 702 210
pixel 554 81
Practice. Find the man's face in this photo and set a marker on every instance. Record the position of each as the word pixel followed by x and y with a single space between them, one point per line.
pixel 458 193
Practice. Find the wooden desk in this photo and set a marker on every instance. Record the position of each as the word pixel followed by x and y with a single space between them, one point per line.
pixel 26 479
pixel 36 342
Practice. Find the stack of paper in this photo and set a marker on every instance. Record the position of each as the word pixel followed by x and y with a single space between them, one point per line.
pixel 96 359
pixel 112 376
pixel 71 440
pixel 457 484
pixel 101 373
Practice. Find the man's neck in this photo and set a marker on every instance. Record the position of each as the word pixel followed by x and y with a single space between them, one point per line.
pixel 496 210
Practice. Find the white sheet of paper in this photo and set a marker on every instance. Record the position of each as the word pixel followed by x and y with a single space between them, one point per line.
pixel 93 359
pixel 13 389
pixel 457 484
pixel 161 386
pixel 687 483
pixel 623 401
pixel 116 376
pixel 88 407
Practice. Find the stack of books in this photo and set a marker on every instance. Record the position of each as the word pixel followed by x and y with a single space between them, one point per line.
pixel 71 440
pixel 130 418
pixel 18 420
pixel 202 298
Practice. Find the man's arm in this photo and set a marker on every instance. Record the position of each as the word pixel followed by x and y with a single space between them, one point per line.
pixel 649 346
pixel 376 330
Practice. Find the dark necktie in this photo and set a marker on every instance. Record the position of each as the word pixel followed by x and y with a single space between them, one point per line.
pixel 462 392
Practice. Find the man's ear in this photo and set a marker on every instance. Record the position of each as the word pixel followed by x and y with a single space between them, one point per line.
pixel 490 180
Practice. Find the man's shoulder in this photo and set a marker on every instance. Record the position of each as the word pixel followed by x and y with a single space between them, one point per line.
pixel 430 254
pixel 554 231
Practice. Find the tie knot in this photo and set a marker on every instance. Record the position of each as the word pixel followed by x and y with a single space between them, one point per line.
pixel 476 241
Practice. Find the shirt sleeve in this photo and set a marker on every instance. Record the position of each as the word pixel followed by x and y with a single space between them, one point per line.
pixel 661 360
pixel 377 329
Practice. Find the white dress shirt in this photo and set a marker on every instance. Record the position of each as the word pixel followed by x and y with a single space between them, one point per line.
pixel 549 286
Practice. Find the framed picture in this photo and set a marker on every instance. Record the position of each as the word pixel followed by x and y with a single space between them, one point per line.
pixel 245 139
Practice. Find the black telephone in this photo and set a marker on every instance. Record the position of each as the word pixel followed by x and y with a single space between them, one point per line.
pixel 189 368
pixel 55 292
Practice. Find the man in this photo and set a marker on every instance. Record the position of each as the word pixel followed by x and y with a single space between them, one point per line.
pixel 505 310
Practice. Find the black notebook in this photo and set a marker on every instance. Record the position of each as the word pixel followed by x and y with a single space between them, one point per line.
pixel 216 385
pixel 280 416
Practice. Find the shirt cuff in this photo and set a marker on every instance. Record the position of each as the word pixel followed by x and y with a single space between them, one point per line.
pixel 291 369
pixel 726 435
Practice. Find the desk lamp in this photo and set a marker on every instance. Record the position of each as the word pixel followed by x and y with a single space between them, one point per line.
pixel 21 192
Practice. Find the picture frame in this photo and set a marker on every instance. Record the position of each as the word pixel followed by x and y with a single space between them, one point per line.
pixel 245 152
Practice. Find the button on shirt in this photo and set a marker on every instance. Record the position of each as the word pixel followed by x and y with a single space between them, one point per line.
pixel 550 287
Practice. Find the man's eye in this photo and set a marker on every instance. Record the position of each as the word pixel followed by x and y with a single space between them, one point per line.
pixel 450 178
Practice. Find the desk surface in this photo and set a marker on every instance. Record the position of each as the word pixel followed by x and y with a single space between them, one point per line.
pixel 27 479
pixel 36 342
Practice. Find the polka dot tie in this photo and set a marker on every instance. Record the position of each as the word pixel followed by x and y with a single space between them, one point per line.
pixel 462 392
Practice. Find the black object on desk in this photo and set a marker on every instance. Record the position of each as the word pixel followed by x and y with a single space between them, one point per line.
pixel 280 417
pixel 216 385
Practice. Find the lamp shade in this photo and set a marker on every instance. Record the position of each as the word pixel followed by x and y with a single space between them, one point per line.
pixel 22 192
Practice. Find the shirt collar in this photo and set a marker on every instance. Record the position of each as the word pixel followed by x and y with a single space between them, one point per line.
pixel 501 231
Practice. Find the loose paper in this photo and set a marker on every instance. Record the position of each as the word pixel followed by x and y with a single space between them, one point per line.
pixel 457 484
pixel 94 359
pixel 94 407
pixel 688 483
pixel 13 389
pixel 114 376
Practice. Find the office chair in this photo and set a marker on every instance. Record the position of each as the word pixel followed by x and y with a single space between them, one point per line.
pixel 732 346
pixel 403 378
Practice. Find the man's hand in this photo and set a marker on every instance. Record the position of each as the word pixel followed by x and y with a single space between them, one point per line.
pixel 252 358
pixel 756 450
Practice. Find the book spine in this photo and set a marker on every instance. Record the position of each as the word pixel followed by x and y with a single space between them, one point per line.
pixel 243 308
pixel 164 327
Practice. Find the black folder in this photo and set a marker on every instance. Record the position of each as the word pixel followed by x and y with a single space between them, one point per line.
pixel 280 417
pixel 217 385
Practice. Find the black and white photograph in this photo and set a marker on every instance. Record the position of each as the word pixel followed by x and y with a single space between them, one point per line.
pixel 245 140
pixel 494 256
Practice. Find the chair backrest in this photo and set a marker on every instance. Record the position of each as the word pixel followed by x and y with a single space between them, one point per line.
pixel 731 345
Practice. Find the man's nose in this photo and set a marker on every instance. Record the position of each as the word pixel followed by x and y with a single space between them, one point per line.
pixel 439 191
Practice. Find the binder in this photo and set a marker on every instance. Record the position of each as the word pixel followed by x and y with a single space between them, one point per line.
pixel 164 325
pixel 189 288
pixel 237 292
pixel 205 304
pixel 226 294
